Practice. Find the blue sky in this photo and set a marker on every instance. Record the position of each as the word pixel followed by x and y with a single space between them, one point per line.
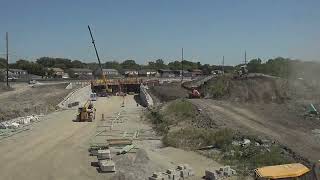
pixel 145 30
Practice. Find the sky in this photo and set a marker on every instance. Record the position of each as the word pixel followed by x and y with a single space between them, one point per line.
pixel 146 30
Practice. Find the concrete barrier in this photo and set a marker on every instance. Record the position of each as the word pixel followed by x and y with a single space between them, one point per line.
pixel 145 97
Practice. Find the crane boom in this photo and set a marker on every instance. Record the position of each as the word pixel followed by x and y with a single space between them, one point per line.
pixel 95 48
pixel 94 45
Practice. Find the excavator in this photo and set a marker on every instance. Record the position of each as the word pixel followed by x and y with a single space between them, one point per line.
pixel 99 86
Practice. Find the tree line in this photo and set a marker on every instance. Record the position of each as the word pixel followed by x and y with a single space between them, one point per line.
pixel 41 65
pixel 281 67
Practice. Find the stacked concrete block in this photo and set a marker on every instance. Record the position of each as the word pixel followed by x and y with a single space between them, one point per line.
pixel 222 172
pixel 172 174
pixel 107 165
pixel 158 176
pixel 104 154
pixel 227 171
pixel 185 171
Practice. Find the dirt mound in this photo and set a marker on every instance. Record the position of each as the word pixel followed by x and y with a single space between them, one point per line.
pixel 134 166
pixel 254 89
pixel 169 91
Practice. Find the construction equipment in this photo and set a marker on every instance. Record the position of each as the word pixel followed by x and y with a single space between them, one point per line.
pixel 241 73
pixel 99 87
pixel 292 171
pixel 87 112
pixel 194 94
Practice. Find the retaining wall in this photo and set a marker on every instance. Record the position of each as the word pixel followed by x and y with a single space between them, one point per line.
pixel 145 97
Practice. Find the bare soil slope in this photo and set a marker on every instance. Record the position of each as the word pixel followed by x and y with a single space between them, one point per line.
pixel 273 121
pixel 257 89
pixel 168 91
pixel 27 100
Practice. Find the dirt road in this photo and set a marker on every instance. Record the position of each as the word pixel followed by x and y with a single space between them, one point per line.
pixel 57 148
pixel 265 120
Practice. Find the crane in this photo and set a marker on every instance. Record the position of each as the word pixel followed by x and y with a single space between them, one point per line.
pixel 100 66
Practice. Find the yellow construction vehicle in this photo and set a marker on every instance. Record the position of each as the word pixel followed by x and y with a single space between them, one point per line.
pixel 87 112
pixel 294 171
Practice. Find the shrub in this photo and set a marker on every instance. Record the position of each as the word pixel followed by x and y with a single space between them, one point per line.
pixel 219 87
pixel 181 109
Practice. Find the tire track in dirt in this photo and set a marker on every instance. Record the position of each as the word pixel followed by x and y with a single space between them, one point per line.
pixel 247 121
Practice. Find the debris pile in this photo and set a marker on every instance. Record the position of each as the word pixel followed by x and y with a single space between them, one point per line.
pixel 20 121
pixel 221 173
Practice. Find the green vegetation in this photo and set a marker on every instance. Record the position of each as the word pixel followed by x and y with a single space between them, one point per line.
pixel 219 87
pixel 185 136
pixel 277 67
pixel 195 138
pixel 177 111
pixel 250 157
pixel 181 110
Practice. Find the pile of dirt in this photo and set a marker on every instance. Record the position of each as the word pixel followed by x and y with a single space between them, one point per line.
pixel 37 100
pixel 258 89
pixel 168 91
pixel 134 166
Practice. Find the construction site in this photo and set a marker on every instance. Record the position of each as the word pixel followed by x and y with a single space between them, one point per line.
pixel 160 129
pixel 161 101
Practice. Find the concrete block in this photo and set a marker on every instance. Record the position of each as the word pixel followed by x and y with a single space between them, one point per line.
pixel 184 170
pixel 172 174
pixel 158 176
pixel 104 154
pixel 107 166
pixel 211 175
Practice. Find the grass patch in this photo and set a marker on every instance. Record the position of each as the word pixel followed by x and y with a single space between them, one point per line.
pixel 194 138
pixel 219 87
pixel 242 158
pixel 181 109
pixel 161 125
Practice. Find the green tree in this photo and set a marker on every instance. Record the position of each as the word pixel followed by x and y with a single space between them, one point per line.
pixel 3 63
pixel 255 66
pixel 129 64
pixel 160 64
pixel 112 65
pixel 176 65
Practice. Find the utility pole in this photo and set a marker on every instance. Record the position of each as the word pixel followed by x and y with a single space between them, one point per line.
pixel 181 64
pixel 7 45
pixel 245 57
pixel 223 64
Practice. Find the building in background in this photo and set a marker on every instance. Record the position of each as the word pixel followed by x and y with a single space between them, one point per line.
pixel 56 72
pixel 196 72
pixel 106 72
pixel 130 73
pixel 148 73
pixel 13 74
pixel 167 73
pixel 81 73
